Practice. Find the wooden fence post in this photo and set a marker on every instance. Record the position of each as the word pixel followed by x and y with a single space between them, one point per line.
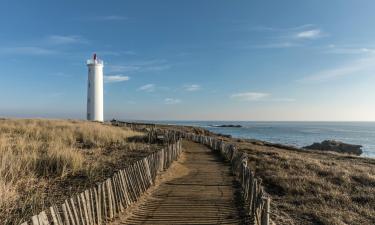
pixel 266 211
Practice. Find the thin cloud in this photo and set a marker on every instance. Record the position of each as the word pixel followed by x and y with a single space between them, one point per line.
pixel 288 37
pixel 27 50
pixel 280 29
pixel 157 68
pixel 147 88
pixel 141 66
pixel 357 67
pixel 249 96
pixel 309 34
pixel 116 53
pixel 277 45
pixel 124 68
pixel 115 78
pixel 192 87
pixel 114 17
pixel 171 101
pixel 258 96
pixel 45 46
pixel 333 49
pixel 65 39
pixel 110 18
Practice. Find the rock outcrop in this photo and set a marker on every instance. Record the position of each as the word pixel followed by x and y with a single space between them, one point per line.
pixel 336 146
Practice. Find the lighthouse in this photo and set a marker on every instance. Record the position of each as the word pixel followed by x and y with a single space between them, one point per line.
pixel 95 89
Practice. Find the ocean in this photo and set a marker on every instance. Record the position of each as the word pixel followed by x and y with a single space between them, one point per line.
pixel 295 133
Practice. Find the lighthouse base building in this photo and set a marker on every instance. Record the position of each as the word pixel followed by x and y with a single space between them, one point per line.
pixel 95 90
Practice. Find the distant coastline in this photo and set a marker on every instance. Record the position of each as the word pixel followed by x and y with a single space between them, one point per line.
pixel 227 125
pixel 298 134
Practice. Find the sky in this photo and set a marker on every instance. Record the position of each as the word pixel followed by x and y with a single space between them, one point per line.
pixel 261 60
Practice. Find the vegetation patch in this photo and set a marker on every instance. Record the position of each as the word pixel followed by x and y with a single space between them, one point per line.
pixel 44 161
pixel 315 187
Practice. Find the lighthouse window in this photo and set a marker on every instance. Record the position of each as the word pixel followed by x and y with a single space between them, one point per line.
pixel 89 83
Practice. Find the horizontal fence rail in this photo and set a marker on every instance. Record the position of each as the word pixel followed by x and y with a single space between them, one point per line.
pixel 256 201
pixel 133 126
pixel 99 204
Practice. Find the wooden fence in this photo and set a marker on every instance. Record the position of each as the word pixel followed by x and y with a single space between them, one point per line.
pixel 133 125
pixel 101 203
pixel 256 201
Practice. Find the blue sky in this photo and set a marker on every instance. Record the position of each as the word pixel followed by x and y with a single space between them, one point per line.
pixel 190 59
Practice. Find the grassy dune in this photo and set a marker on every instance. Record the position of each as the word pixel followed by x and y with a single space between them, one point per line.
pixel 43 161
pixel 312 187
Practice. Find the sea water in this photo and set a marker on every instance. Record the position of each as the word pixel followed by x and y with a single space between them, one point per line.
pixel 295 133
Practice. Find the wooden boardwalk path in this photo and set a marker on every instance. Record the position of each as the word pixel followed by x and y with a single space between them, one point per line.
pixel 197 189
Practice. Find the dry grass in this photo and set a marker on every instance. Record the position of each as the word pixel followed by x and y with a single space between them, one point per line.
pixel 314 187
pixel 41 161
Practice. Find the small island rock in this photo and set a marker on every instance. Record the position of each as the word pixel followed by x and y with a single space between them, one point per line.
pixel 336 146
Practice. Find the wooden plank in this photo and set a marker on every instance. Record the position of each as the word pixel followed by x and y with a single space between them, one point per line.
pixel 123 188
pixel 126 188
pixel 97 205
pixel 100 203
pixel 70 213
pixel 58 215
pixel 54 217
pixel 104 202
pixel 135 177
pixel 133 183
pixel 81 211
pixel 65 212
pixel 88 206
pixel 119 193
pixel 75 212
pixel 113 197
pixel 265 219
pixel 143 175
pixel 35 220
pixel 93 206
pixel 131 190
pixel 43 219
pixel 147 171
pixel 139 175
pixel 109 195
pixel 84 207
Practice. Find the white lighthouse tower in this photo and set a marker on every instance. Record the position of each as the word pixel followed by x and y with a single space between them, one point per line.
pixel 95 89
